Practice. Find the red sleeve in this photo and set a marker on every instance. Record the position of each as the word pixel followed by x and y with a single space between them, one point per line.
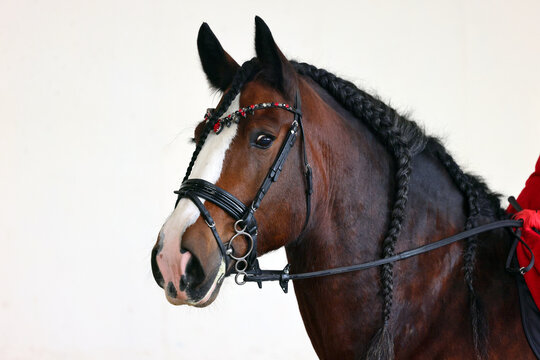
pixel 529 198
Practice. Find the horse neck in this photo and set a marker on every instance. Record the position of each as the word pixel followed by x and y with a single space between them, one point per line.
pixel 354 188
pixel 345 157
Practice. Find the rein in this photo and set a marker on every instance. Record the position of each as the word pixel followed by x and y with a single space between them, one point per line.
pixel 283 276
pixel 246 268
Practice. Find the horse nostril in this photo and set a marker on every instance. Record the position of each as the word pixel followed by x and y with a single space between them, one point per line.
pixel 171 290
pixel 183 283
pixel 194 275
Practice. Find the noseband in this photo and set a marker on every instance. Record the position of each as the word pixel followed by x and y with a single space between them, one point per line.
pixel 246 268
pixel 245 223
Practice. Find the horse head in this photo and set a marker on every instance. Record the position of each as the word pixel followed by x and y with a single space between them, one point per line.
pixel 362 153
pixel 187 261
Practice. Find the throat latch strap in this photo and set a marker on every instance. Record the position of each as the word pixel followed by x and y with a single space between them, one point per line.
pixel 308 174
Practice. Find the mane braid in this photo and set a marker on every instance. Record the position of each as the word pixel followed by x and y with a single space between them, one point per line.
pixel 404 139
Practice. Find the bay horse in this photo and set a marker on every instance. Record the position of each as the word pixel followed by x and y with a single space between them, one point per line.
pixel 379 186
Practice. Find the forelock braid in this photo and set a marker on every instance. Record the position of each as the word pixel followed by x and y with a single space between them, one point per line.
pixel 404 139
pixel 243 74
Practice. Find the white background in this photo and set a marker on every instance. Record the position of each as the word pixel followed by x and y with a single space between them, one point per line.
pixel 98 100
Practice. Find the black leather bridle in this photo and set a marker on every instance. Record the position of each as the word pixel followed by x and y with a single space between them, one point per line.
pixel 246 268
pixel 245 226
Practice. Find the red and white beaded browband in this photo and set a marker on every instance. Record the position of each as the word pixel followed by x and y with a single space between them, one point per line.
pixel 242 114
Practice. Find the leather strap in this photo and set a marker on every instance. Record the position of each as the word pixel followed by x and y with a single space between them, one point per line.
pixel 208 191
pixel 512 200
pixel 211 224
pixel 518 270
pixel 517 239
pixel 283 276
pixel 308 174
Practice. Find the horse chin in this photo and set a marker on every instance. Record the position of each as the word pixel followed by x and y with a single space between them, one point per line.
pixel 209 298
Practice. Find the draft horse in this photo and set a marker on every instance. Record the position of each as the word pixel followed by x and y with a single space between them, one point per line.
pixel 362 183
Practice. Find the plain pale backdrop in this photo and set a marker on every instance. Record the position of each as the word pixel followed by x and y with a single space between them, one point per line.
pixel 98 100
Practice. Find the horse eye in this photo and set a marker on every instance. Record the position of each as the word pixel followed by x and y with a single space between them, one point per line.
pixel 264 141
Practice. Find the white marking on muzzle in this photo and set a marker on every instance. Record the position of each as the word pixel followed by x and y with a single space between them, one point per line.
pixel 208 166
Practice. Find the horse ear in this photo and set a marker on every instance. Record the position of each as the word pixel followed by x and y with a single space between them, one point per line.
pixel 278 70
pixel 218 66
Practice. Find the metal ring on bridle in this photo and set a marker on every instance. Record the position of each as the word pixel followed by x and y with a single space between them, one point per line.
pixel 250 246
pixel 236 224
pixel 237 277
pixel 243 268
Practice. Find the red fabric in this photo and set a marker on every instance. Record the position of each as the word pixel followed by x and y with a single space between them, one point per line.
pixel 530 196
pixel 529 199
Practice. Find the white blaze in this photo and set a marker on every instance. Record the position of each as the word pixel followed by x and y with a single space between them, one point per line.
pixel 208 166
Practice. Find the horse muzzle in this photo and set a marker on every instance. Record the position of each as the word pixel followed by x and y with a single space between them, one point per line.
pixel 184 278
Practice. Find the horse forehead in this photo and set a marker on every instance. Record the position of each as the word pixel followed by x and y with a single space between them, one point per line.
pixel 257 91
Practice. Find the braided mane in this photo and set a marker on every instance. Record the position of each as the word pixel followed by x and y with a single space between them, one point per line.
pixel 403 139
